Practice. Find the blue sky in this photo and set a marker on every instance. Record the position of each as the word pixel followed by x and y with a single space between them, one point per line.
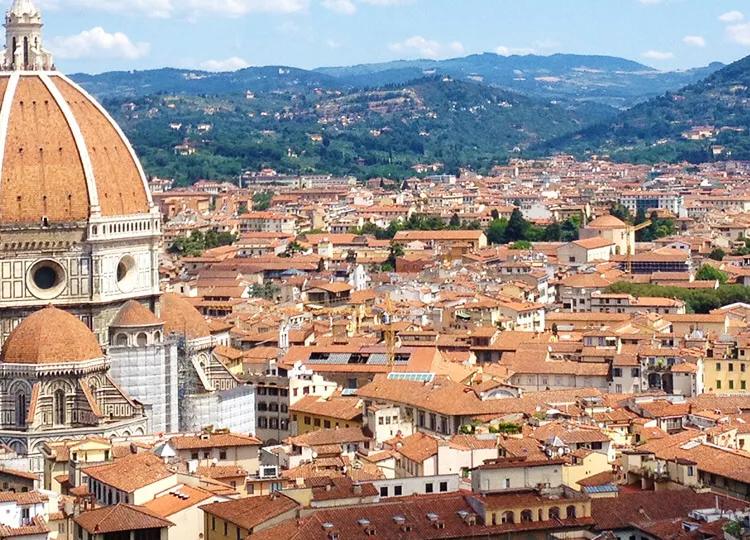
pixel 101 35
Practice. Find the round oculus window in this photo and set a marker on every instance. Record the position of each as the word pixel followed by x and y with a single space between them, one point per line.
pixel 126 273
pixel 46 279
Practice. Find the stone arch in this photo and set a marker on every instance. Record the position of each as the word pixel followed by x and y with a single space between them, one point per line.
pixel 121 340
pixel 141 339
pixel 554 512
pixel 508 517
pixel 570 512
pixel 527 516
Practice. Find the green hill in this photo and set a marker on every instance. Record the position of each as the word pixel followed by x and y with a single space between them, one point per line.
pixel 377 132
pixel 655 130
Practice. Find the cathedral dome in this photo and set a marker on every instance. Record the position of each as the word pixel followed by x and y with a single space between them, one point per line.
pixel 50 336
pixel 181 317
pixel 62 158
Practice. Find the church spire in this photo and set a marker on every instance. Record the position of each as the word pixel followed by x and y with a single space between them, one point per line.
pixel 23 39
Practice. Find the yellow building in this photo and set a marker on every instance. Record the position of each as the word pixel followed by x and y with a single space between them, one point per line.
pixel 584 464
pixel 241 517
pixel 727 369
pixel 312 413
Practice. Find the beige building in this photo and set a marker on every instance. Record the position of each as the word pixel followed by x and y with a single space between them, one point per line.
pixel 613 229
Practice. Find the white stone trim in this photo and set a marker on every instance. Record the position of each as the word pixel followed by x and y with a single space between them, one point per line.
pixel 83 151
pixel 10 93
pixel 119 131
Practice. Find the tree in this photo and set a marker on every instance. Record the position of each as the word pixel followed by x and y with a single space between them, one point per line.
pixel 496 231
pixel 455 222
pixel 518 227
pixel 495 214
pixel 709 273
pixel 520 245
pixel 620 212
pixel 717 254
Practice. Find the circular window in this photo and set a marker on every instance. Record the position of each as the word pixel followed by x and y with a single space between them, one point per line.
pixel 46 279
pixel 126 273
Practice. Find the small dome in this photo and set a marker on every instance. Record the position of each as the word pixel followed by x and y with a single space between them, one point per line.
pixel 607 222
pixel 181 317
pixel 135 314
pixel 50 336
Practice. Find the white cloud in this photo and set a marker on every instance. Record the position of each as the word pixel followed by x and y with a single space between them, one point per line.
pixel 739 33
pixel 427 48
pixel 503 50
pixel 98 43
pixel 732 17
pixel 227 64
pixel 345 7
pixel 182 8
pixel 694 41
pixel 658 55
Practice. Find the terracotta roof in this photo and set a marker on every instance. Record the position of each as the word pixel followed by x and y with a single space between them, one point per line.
pixel 23 498
pixel 418 447
pixel 50 336
pixel 593 243
pixel 120 518
pixel 323 437
pixel 131 472
pixel 213 440
pixel 135 314
pixel 344 408
pixel 385 519
pixel 342 488
pixel 250 512
pixel 619 512
pixel 176 500
pixel 181 317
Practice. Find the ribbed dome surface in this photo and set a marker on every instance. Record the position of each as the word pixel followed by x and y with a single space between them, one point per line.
pixel 63 158
pixel 50 336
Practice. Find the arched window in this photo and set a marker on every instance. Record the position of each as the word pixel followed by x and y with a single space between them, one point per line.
pixel 58 402
pixel 527 516
pixel 121 340
pixel 26 53
pixel 554 513
pixel 508 517
pixel 570 512
pixel 21 410
pixel 142 339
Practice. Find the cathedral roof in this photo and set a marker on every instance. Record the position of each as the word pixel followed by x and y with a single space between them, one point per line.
pixel 62 157
pixel 181 317
pixel 50 336
pixel 135 314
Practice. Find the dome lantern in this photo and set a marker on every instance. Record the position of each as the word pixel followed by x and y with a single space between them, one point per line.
pixel 23 39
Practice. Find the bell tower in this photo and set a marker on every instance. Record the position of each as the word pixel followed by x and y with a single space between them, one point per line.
pixel 23 39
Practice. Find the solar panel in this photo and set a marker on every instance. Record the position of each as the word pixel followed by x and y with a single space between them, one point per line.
pixel 607 488
pixel 413 377
pixel 377 359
